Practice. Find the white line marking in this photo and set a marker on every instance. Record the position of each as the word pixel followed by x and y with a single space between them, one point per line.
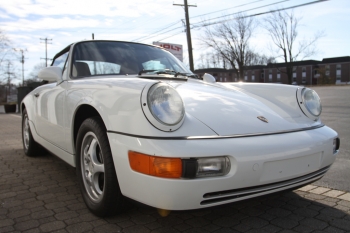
pixel 16 115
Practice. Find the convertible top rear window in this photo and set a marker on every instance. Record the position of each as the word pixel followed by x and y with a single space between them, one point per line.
pixel 120 58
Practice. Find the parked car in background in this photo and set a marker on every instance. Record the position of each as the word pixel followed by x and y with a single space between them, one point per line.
pixel 136 123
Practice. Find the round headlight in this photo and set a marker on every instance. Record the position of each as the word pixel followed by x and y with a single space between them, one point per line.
pixel 312 102
pixel 165 104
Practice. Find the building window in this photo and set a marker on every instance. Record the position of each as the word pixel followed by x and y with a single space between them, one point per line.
pixel 338 72
pixel 327 70
pixel 253 78
pixel 225 79
pixel 294 76
pixel 278 76
pixel 303 75
pixel 270 75
pixel 304 72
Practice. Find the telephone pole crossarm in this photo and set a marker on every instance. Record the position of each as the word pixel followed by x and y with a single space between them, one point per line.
pixel 174 4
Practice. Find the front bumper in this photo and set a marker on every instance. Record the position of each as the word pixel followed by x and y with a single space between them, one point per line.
pixel 259 165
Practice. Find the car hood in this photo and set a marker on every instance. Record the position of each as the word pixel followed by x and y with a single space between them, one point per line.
pixel 231 111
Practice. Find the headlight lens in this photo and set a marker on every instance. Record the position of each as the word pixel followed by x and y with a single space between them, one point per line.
pixel 312 102
pixel 165 104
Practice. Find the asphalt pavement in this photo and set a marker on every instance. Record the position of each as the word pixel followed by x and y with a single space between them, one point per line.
pixel 336 114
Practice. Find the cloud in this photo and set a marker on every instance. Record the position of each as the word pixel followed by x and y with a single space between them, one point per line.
pixel 48 24
pixel 107 8
pixel 66 33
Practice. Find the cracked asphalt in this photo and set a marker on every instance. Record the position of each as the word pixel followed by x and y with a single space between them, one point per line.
pixel 41 194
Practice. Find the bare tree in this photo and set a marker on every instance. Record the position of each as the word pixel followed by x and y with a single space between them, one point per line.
pixel 282 26
pixel 7 70
pixel 231 40
pixel 220 62
pixel 33 75
pixel 323 77
pixel 4 46
pixel 257 59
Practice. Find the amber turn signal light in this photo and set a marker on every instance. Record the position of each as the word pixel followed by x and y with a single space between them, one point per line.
pixel 155 166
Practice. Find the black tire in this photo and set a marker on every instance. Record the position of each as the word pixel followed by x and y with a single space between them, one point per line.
pixel 100 189
pixel 30 146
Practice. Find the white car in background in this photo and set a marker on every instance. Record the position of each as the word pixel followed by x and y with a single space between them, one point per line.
pixel 136 123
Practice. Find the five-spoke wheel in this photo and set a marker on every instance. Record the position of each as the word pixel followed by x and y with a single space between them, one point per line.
pixel 30 146
pixel 95 169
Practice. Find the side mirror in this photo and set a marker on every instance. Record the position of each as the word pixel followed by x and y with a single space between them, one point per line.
pixel 51 74
pixel 208 78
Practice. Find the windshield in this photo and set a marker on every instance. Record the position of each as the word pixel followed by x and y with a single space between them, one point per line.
pixel 121 58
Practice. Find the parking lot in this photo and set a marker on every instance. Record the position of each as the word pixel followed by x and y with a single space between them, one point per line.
pixel 41 194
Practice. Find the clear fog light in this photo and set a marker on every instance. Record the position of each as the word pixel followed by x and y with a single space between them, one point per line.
pixel 218 166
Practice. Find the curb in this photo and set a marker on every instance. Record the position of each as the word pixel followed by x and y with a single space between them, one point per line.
pixel 326 192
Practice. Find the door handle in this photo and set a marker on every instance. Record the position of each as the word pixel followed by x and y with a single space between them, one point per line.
pixel 36 94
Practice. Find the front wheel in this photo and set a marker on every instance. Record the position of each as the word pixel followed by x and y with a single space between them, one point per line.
pixel 95 169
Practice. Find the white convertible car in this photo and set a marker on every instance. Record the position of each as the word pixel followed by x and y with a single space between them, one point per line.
pixel 136 123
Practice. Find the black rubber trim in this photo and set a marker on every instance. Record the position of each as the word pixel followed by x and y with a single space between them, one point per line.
pixel 337 144
pixel 189 168
pixel 242 192
pixel 217 136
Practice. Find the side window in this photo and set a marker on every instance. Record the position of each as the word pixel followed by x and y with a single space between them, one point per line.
pixel 60 61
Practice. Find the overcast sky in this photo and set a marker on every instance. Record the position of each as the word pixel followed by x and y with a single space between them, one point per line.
pixel 68 21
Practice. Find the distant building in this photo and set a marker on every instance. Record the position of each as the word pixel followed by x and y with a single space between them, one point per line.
pixel 309 72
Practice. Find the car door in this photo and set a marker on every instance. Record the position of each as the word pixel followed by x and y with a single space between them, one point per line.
pixel 50 108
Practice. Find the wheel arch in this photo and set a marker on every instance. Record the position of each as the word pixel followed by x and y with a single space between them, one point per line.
pixel 22 107
pixel 82 113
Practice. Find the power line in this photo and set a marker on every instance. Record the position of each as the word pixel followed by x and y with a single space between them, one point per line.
pixel 225 9
pixel 247 10
pixel 165 27
pixel 171 36
pixel 196 25
pixel 200 25
pixel 152 34
pixel 262 13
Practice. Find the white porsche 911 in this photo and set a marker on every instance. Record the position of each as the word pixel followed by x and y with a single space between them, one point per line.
pixel 136 123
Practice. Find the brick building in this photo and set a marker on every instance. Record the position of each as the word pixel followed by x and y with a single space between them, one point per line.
pixel 309 72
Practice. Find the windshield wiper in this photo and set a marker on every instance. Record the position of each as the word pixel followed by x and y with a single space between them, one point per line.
pixel 168 71
pixel 188 75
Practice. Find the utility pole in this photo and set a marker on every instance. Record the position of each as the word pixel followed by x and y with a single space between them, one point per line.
pixel 188 33
pixel 46 42
pixel 8 80
pixel 22 61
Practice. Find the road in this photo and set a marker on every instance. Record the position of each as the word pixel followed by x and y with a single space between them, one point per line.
pixel 336 114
